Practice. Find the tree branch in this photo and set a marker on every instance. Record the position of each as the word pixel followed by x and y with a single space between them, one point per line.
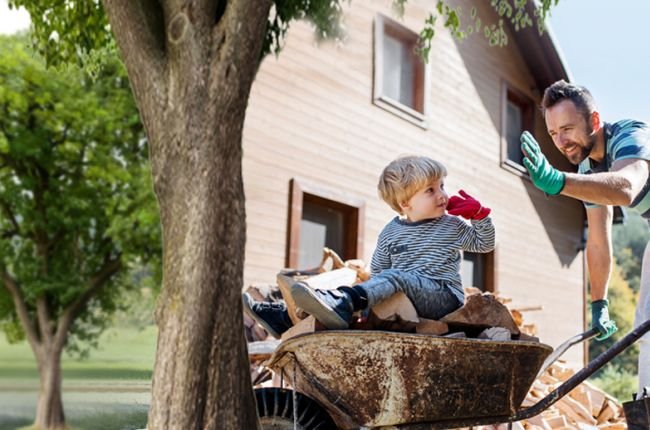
pixel 206 13
pixel 45 323
pixel 139 29
pixel 97 282
pixel 7 210
pixel 237 40
pixel 8 234
pixel 21 308
pixel 62 139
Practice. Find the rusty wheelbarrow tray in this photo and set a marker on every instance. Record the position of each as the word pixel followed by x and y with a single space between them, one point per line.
pixel 411 381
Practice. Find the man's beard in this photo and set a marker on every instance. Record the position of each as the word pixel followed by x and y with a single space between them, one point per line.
pixel 584 152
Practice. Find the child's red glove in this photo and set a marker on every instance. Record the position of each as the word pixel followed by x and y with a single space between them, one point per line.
pixel 467 207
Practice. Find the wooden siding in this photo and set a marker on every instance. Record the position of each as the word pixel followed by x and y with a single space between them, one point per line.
pixel 311 116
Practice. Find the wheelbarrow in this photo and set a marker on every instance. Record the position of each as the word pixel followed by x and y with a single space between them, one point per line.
pixel 378 379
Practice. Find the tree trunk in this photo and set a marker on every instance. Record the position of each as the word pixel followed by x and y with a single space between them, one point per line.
pixel 191 67
pixel 201 380
pixel 49 411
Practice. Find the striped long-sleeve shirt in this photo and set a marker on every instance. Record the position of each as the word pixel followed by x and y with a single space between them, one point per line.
pixel 431 248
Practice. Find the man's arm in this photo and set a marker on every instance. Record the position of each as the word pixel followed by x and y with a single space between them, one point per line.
pixel 599 250
pixel 599 262
pixel 618 187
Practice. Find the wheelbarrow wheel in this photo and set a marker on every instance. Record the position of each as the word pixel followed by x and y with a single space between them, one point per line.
pixel 276 411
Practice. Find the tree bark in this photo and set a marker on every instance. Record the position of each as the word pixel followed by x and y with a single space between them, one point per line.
pixel 49 410
pixel 191 83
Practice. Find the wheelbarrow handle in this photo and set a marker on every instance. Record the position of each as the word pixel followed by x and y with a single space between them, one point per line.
pixel 557 353
pixel 583 374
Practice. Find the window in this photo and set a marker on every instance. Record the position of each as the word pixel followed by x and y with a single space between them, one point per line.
pixel 517 116
pixel 319 218
pixel 477 270
pixel 400 78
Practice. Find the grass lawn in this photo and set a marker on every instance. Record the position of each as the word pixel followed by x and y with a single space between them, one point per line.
pixel 108 391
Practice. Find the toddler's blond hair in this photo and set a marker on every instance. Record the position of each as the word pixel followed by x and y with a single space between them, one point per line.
pixel 405 176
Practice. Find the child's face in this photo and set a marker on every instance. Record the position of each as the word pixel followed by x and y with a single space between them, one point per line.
pixel 429 202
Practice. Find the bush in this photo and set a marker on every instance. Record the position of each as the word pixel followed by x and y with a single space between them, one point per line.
pixel 617 382
pixel 622 303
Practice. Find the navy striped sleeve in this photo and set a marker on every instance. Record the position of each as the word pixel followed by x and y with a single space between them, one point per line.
pixel 381 257
pixel 479 236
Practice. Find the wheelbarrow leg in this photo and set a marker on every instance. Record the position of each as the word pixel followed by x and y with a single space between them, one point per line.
pixel 637 412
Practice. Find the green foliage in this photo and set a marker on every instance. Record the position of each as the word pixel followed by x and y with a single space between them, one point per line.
pixel 617 382
pixel 325 15
pixel 71 31
pixel 77 31
pixel 513 11
pixel 629 242
pixel 137 307
pixel 75 188
pixel 66 31
pixel 622 303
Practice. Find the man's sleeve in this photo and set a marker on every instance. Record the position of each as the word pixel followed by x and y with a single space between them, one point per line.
pixel 630 139
pixel 584 169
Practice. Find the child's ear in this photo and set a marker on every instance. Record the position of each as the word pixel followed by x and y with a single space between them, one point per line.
pixel 404 205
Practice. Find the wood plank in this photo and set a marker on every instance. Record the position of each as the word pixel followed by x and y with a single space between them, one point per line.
pixel 396 313
pixel 262 350
pixel 482 310
pixel 575 411
pixel 427 326
pixel 307 325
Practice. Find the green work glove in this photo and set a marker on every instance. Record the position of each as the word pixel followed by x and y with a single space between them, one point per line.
pixel 600 319
pixel 545 177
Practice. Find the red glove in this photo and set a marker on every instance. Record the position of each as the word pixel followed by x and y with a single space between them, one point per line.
pixel 467 207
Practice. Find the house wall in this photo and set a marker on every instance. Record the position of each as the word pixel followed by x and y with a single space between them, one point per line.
pixel 311 117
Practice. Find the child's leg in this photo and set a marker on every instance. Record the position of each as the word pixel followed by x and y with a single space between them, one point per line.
pixel 430 298
pixel 272 316
pixel 332 308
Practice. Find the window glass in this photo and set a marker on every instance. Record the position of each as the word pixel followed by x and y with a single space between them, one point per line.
pixel 398 71
pixel 514 128
pixel 473 270
pixel 320 227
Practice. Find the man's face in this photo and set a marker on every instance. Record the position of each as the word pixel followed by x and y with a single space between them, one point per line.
pixel 570 132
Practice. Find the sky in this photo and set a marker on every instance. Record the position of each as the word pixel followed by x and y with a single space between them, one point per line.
pixel 605 43
pixel 12 20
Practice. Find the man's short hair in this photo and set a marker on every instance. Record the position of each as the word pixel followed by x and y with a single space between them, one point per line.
pixel 405 176
pixel 579 95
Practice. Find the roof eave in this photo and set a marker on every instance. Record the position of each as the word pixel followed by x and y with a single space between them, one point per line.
pixel 542 53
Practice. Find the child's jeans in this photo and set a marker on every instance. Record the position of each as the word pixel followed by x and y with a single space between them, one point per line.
pixel 431 299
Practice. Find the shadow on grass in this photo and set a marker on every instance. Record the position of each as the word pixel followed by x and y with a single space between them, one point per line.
pixel 112 420
pixel 117 420
pixel 90 373
pixel 12 423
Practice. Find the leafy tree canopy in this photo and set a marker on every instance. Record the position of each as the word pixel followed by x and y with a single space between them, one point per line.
pixel 76 204
pixel 69 31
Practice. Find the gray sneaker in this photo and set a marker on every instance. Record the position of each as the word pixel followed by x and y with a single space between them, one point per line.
pixel 273 316
pixel 333 308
